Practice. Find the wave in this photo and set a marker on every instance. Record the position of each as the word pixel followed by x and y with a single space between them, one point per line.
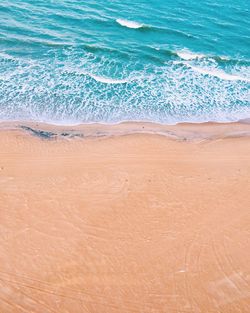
pixel 218 73
pixel 188 55
pixel 97 78
pixel 83 89
pixel 6 57
pixel 129 24
pixel 107 80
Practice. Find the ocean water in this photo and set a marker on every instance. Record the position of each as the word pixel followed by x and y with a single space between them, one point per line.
pixel 168 61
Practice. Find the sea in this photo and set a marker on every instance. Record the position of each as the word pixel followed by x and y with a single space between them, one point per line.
pixel 108 61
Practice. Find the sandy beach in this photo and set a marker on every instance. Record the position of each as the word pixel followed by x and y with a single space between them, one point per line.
pixel 134 217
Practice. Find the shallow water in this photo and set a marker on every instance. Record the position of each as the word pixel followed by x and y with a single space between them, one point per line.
pixel 98 61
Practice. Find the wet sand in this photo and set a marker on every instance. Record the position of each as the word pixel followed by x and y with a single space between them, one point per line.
pixel 125 218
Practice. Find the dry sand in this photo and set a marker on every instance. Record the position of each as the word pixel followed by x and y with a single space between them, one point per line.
pixel 125 218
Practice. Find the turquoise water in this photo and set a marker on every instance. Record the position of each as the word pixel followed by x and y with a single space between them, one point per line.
pixel 69 61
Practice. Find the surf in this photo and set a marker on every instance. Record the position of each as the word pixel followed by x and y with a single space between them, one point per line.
pixel 107 80
pixel 129 24
pixel 188 55
pixel 218 73
pixel 125 60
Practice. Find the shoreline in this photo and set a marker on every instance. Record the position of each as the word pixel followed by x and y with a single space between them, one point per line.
pixel 181 131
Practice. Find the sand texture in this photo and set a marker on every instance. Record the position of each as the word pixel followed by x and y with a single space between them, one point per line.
pixel 138 218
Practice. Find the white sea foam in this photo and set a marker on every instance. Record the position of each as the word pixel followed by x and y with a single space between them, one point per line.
pixel 129 24
pixel 107 80
pixel 6 56
pixel 87 91
pixel 225 58
pixel 218 73
pixel 188 55
pixel 101 79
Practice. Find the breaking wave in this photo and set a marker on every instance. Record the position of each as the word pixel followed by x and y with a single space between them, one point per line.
pixel 107 80
pixel 219 74
pixel 91 89
pixel 129 24
pixel 188 55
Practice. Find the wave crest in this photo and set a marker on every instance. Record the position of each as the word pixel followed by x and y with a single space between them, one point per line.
pixel 188 55
pixel 129 24
pixel 107 80
pixel 219 74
